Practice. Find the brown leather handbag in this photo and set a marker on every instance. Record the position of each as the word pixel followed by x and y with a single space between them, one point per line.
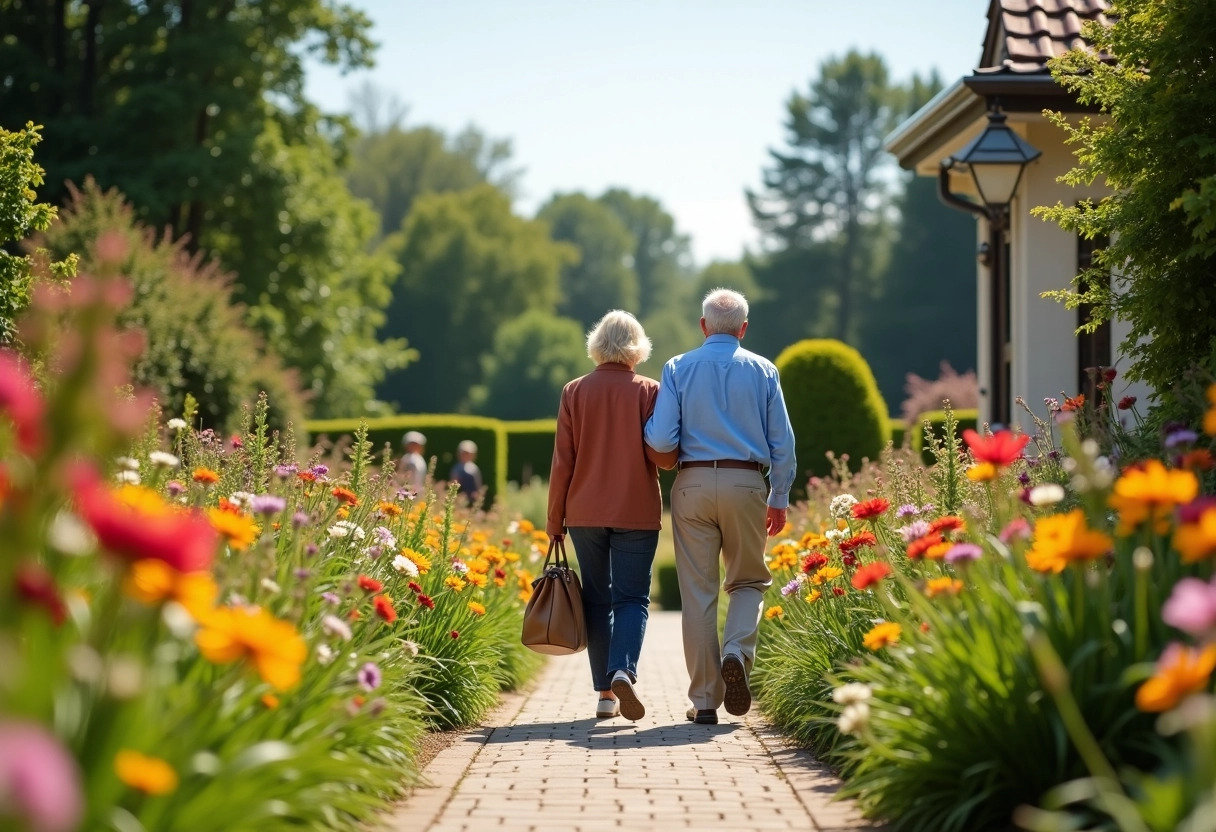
pixel 553 619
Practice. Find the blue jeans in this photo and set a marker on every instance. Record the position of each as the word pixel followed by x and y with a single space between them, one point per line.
pixel 615 568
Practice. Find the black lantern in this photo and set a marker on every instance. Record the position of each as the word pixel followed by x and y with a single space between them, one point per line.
pixel 995 159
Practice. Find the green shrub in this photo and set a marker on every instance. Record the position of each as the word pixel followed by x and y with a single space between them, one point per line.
pixel 834 405
pixel 669 586
pixel 443 433
pixel 529 449
pixel 899 431
pixel 935 420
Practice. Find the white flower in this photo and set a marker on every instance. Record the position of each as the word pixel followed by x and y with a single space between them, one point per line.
pixel 325 654
pixel 242 499
pixel 164 460
pixel 406 566
pixel 127 477
pixel 852 693
pixel 127 463
pixel 1047 494
pixel 842 505
pixel 459 567
pixel 270 586
pixel 836 535
pixel 513 527
pixel 68 534
pixel 335 626
pixel 410 647
pixel 854 718
pixel 345 528
pixel 176 424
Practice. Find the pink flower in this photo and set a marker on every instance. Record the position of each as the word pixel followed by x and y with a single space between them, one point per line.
pixel 1015 529
pixel 1192 607
pixel 22 402
pixel 39 780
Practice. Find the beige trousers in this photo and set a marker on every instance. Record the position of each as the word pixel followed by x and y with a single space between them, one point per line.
pixel 719 510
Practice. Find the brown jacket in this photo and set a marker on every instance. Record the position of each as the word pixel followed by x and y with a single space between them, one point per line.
pixel 603 474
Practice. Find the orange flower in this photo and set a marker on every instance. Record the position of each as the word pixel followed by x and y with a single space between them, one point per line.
pixel 477 579
pixel 388 509
pixel 150 775
pixel 1196 541
pixel 938 550
pixel 948 523
pixel 526 527
pixel 870 509
pixel 1074 403
pixel 870 574
pixel 273 646
pixel 152 581
pixel 345 495
pixel 369 584
pixel 1063 538
pixel 1197 460
pixel 943 586
pixel 774 611
pixel 1148 493
pixel 1181 671
pixel 454 582
pixel 1209 418
pixel 206 476
pixel 813 540
pixel 270 701
pixel 917 548
pixel 307 476
pixel 384 608
pixel 476 608
pixel 238 529
pixel 883 634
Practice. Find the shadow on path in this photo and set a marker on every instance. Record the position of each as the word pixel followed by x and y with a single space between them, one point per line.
pixel 598 733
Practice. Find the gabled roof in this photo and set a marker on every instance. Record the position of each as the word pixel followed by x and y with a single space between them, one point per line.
pixel 1023 34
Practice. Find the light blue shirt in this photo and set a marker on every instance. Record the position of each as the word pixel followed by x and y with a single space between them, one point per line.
pixel 721 401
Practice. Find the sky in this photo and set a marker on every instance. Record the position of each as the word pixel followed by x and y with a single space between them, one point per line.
pixel 680 101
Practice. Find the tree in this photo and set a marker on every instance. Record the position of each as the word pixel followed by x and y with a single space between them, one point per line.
pixel 533 357
pixel 601 278
pixel 468 265
pixel 728 274
pixel 828 184
pixel 1157 151
pixel 661 255
pixel 792 305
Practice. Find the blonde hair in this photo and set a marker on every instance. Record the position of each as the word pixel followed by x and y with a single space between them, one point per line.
pixel 725 312
pixel 618 337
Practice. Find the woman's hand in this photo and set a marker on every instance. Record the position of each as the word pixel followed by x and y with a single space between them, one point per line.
pixel 556 538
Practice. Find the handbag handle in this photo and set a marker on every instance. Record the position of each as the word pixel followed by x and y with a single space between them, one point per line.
pixel 558 547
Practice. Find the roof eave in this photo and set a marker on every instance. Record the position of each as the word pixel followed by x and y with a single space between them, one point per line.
pixel 951 109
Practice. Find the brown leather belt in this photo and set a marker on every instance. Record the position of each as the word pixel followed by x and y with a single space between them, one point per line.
pixel 722 463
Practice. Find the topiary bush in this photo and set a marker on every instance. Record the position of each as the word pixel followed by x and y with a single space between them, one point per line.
pixel 834 405
pixel 936 421
pixel 899 431
pixel 529 449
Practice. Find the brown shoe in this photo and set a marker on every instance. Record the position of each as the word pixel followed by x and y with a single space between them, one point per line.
pixel 705 716
pixel 738 700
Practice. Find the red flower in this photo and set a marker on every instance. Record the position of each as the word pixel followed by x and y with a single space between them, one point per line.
pixel 426 601
pixel 307 476
pixel 1126 402
pixel 838 590
pixel 947 523
pixel 1197 460
pixel 1109 374
pixel 500 573
pixel 869 574
pixel 924 626
pixel 235 441
pixel 414 587
pixel 369 584
pixel 345 495
pixel 917 548
pixel 857 541
pixel 813 562
pixel 354 615
pixel 870 508
pixel 22 402
pixel 1001 449
pixel 848 559
pixel 37 586
pixel 1075 403
pixel 454 634
pixel 384 608
pixel 142 526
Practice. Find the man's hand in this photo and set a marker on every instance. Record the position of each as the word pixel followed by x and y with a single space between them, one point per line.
pixel 775 521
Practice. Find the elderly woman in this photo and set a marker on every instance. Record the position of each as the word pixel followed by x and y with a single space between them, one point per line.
pixel 604 489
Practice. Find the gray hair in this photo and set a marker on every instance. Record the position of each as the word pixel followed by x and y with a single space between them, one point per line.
pixel 618 337
pixel 725 312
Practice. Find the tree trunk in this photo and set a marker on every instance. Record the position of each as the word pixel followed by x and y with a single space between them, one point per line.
pixel 88 77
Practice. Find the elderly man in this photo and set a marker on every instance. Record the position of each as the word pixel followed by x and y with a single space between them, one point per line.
pixel 722 406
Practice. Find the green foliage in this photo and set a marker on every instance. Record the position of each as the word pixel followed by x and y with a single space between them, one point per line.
pixel 934 421
pixel 468 265
pixel 530 362
pixel 661 254
pixel 20 217
pixel 834 404
pixel 600 279
pixel 196 340
pixel 669 586
pixel 899 430
pixel 1157 152
pixel 530 450
pixel 443 434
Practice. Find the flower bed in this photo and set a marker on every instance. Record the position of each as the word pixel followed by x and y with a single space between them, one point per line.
pixel 1013 636
pixel 206 633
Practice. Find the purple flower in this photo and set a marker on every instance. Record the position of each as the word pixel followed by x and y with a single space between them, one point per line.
pixel 174 488
pixel 1024 478
pixel 374 551
pixel 310 549
pixel 303 574
pixel 267 504
pixel 331 598
pixel 906 511
pixel 914 530
pixel 300 519
pixel 406 494
pixel 384 536
pixel 39 780
pixel 927 508
pixel 1181 437
pixel 1054 455
pixel 376 706
pixel 1052 404
pixel 962 553
pixel 1191 607
pixel 334 626
pixel 790 588
pixel 1015 529
pixel 285 471
pixel 369 676
pixel 320 470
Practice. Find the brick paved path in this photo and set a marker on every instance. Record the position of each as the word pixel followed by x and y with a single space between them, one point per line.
pixel 545 763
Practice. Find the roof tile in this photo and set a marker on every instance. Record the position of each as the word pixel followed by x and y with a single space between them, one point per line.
pixel 1036 30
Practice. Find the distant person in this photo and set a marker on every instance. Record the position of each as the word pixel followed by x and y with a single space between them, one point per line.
pixel 413 464
pixel 466 473
pixel 604 489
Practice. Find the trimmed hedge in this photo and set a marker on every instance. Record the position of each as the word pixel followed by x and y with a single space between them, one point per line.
pixel 834 405
pixel 899 431
pixel 443 433
pixel 669 586
pixel 937 420
pixel 529 449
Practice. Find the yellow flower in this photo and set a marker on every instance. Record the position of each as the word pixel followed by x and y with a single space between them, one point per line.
pixel 418 559
pixel 476 608
pixel 825 574
pixel 526 527
pixel 270 701
pixel 813 540
pixel 938 550
pixel 238 529
pixel 273 646
pixel 150 775
pixel 1060 539
pixel 151 581
pixel 525 595
pixel 388 509
pixel 477 579
pixel 814 596
pixel 783 556
pixel 343 512
pixel 454 582
pixel 982 472
pixel 1209 418
pixel 1196 541
pixel 1181 671
pixel 1149 493
pixel 774 611
pixel 513 557
pixel 478 565
pixel 882 635
pixel 943 586
pixel 479 536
